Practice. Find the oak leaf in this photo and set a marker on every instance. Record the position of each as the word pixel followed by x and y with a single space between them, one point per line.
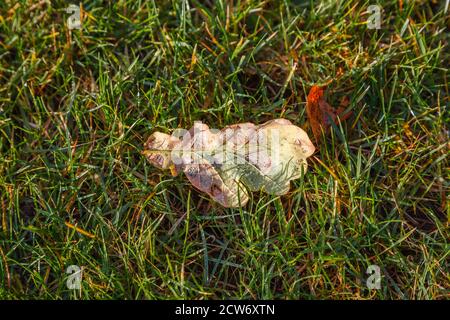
pixel 228 163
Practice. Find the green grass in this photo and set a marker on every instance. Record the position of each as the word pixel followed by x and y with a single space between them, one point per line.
pixel 76 108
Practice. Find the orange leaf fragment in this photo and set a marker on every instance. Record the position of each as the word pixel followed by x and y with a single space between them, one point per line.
pixel 320 113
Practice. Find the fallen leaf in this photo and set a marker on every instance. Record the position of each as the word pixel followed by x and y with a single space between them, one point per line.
pixel 228 163
pixel 320 114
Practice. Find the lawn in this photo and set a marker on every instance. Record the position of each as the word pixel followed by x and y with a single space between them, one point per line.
pixel 78 104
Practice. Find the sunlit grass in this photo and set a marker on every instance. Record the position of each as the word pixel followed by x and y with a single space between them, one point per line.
pixel 77 106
